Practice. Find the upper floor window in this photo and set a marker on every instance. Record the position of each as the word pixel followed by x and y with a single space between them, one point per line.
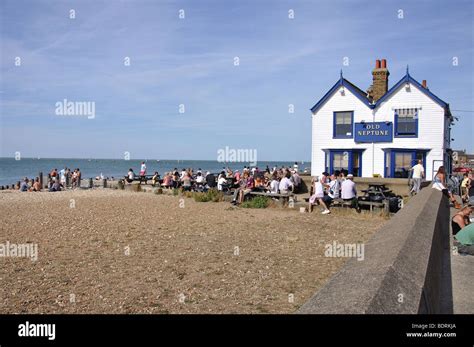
pixel 406 122
pixel 343 124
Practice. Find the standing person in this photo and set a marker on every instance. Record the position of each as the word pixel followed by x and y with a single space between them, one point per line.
pixel 349 191
pixel 79 177
pixel 439 183
pixel 465 184
pixel 318 196
pixel 62 176
pixel 267 169
pixel 295 167
pixel 418 174
pixel 142 171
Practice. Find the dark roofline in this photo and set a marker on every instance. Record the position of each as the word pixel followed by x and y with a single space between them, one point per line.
pixel 409 79
pixel 362 96
pixel 342 82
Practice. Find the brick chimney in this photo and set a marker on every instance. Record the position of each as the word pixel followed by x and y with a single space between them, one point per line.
pixel 380 79
pixel 424 84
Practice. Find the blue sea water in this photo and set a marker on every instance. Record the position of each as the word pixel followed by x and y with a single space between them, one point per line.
pixel 12 170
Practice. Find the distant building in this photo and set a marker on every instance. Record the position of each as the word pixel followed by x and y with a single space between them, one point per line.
pixel 380 132
pixel 462 159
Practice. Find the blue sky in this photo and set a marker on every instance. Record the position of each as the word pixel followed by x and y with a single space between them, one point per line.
pixel 190 61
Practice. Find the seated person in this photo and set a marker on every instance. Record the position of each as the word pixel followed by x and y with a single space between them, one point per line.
pixel 211 180
pixel 167 180
pixel 24 187
pixel 221 182
pixel 249 186
pixel 349 191
pixel 296 179
pixel 236 179
pixel 155 179
pixel 130 176
pixel 55 186
pixel 37 185
pixel 464 240
pixel 286 186
pixel 186 182
pixel 199 178
pixel 461 219
pixel 274 184
pixel 318 196
pixel 333 190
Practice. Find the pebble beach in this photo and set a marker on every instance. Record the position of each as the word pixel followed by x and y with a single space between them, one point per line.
pixel 112 251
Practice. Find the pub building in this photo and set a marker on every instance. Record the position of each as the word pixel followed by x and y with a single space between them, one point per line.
pixel 381 132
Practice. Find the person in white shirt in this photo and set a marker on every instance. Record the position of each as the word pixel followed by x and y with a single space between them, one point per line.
pixel 221 182
pixel 418 174
pixel 318 196
pixel 295 167
pixel 199 178
pixel 349 191
pixel 130 176
pixel 274 185
pixel 285 184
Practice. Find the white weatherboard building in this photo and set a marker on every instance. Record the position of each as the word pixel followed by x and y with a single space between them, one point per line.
pixel 380 132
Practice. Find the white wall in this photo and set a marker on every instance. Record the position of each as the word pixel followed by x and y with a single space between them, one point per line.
pixel 431 129
pixel 322 125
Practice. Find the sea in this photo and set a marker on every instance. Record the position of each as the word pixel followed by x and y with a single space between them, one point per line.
pixel 12 170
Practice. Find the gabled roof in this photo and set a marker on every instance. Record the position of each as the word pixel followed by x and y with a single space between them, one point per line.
pixel 361 95
pixel 408 79
pixel 342 82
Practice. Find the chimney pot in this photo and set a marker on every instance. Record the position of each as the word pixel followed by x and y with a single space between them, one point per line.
pixel 384 63
pixel 424 84
pixel 377 64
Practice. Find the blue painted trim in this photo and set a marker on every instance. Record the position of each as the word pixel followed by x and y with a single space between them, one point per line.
pixel 350 163
pixel 393 151
pixel 342 82
pixel 409 79
pixel 334 136
pixel 395 132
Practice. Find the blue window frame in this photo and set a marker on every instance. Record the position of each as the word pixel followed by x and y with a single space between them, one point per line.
pixel 398 162
pixel 346 159
pixel 343 125
pixel 406 122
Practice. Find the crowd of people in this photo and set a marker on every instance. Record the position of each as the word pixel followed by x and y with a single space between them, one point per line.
pixel 56 181
pixel 281 180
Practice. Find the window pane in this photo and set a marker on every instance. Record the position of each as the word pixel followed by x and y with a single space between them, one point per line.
pixel 340 161
pixel 406 121
pixel 402 164
pixel 343 123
